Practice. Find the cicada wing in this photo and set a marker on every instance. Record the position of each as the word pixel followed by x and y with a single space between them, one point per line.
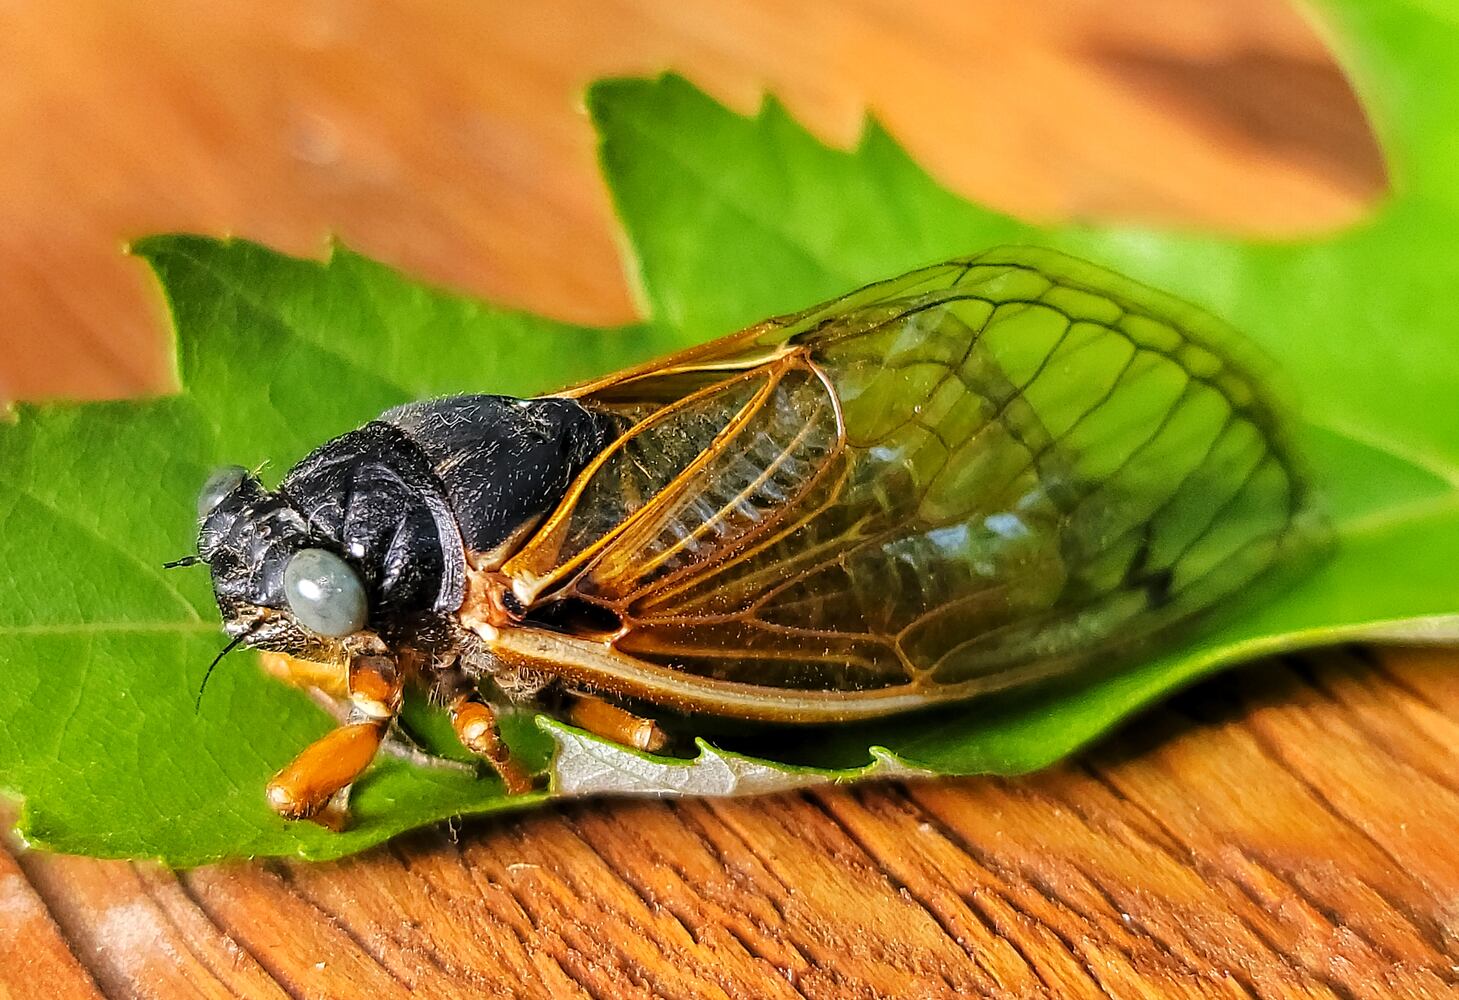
pixel 644 388
pixel 958 480
pixel 684 480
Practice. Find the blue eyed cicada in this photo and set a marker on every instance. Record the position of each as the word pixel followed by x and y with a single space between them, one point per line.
pixel 970 478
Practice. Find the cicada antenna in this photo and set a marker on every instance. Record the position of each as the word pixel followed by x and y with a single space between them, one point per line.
pixel 184 561
pixel 232 645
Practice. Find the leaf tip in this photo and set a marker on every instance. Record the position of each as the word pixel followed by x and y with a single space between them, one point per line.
pixel 606 97
pixel 336 250
pixel 875 137
pixel 605 93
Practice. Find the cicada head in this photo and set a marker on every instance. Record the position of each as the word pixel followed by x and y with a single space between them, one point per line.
pixel 357 541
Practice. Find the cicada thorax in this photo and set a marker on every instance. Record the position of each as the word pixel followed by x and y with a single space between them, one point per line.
pixel 502 462
pixel 964 479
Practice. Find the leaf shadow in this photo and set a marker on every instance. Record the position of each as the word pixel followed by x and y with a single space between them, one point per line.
pixel 1231 698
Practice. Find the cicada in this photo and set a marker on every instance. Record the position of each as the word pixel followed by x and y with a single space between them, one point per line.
pixel 970 478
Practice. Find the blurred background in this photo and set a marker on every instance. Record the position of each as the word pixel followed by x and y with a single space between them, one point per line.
pixel 447 138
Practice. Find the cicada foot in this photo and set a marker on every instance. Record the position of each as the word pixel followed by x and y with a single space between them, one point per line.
pixel 335 816
pixel 314 785
pixel 476 728
pixel 602 718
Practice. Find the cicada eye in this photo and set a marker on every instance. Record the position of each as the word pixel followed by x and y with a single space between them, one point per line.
pixel 324 593
pixel 222 482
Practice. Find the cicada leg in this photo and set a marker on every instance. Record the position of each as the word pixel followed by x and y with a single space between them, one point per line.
pixel 476 728
pixel 318 777
pixel 603 718
pixel 330 678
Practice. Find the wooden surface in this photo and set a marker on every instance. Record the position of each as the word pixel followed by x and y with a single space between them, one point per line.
pixel 1284 831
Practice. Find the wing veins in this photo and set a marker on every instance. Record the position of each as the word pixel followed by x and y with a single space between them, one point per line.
pixel 569 503
pixel 740 497
pixel 708 571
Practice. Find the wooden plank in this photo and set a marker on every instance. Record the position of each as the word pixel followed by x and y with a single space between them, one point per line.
pixel 140 934
pixel 36 953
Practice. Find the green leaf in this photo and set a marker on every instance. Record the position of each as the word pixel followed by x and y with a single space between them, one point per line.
pixel 104 651
pixel 731 219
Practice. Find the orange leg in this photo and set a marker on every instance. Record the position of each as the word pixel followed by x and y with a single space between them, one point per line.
pixel 475 725
pixel 607 720
pixel 331 678
pixel 308 784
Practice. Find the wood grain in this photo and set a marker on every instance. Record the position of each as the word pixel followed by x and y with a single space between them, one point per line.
pixel 1284 831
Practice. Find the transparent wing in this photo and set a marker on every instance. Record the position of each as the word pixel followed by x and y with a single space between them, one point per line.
pixel 973 475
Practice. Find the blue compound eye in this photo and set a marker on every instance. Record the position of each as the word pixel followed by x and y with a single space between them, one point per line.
pixel 222 482
pixel 325 593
